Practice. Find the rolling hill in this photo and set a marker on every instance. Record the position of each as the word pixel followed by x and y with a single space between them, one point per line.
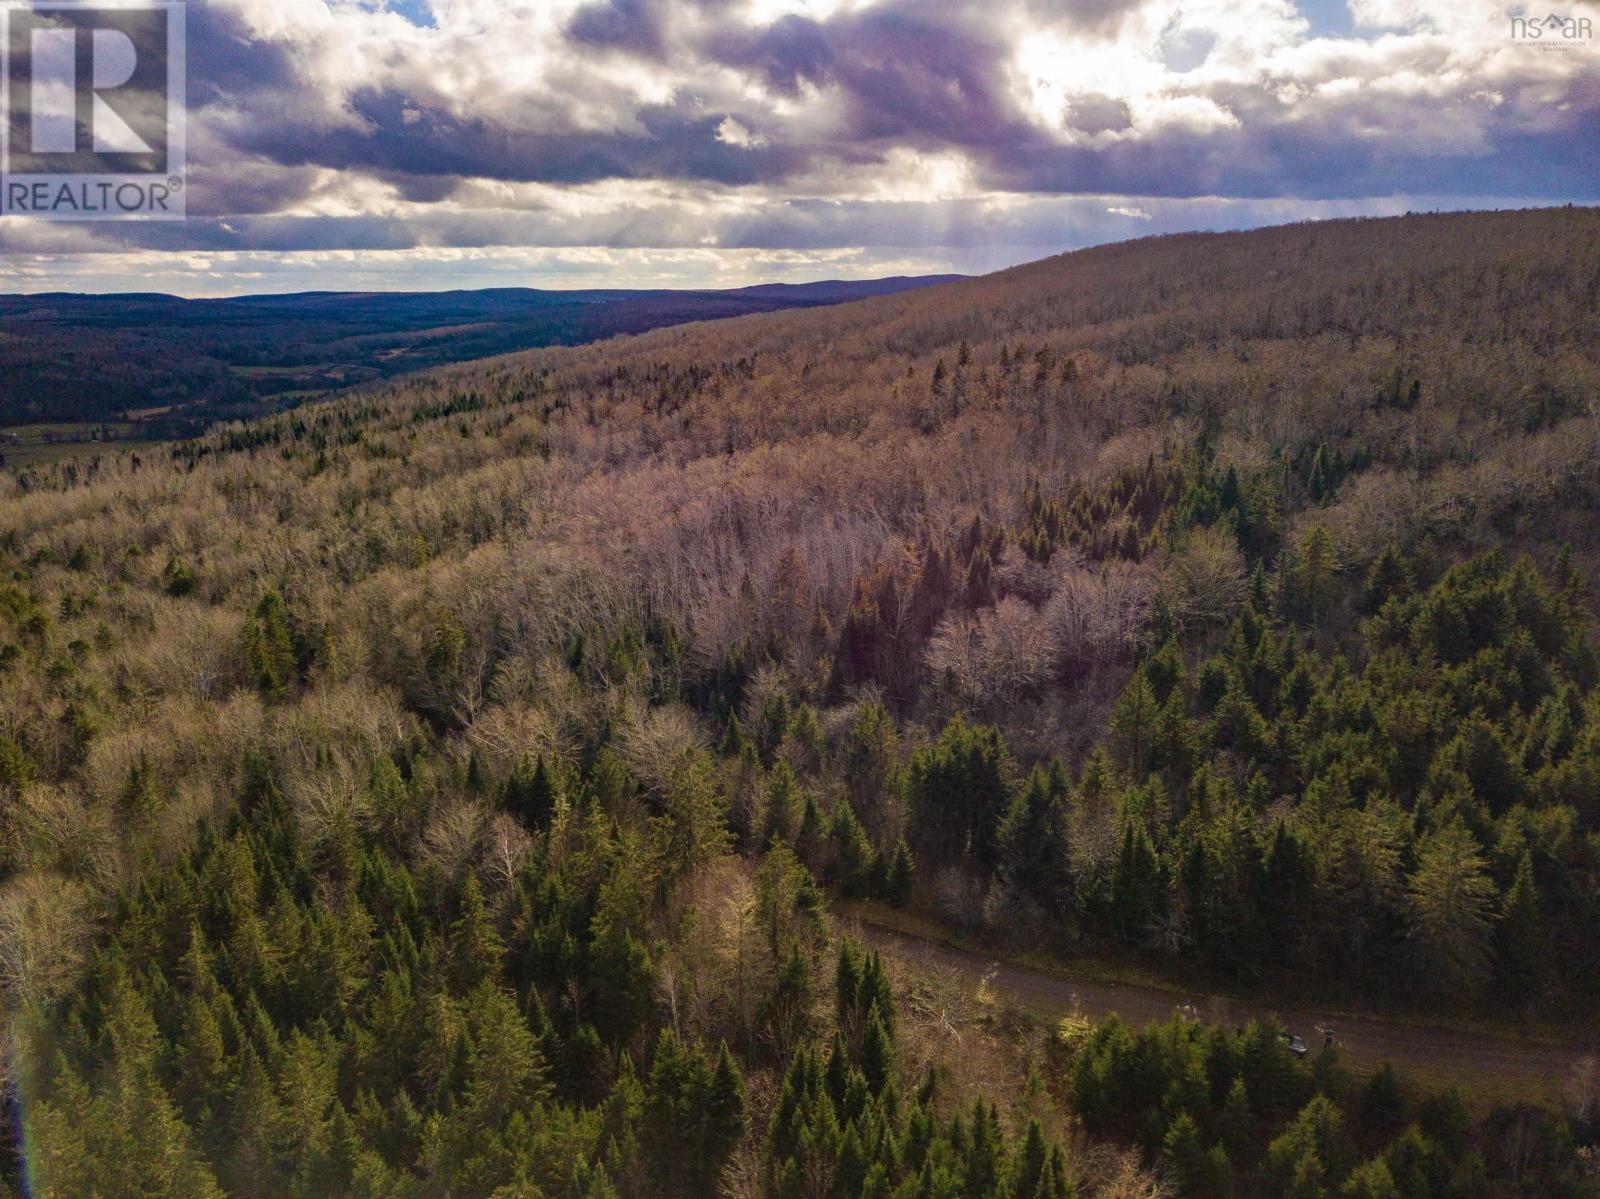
pixel 92 358
pixel 445 786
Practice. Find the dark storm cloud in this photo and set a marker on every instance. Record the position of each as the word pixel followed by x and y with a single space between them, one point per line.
pixel 398 135
pixel 1101 16
pixel 244 187
pixel 790 51
pixel 225 61
pixel 636 26
pixel 910 72
pixel 1305 164
pixel 1093 114
pixel 1273 151
pixel 420 189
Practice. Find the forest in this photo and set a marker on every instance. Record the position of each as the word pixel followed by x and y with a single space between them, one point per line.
pixel 177 366
pixel 464 787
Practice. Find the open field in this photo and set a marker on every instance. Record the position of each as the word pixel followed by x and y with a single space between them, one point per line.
pixel 23 446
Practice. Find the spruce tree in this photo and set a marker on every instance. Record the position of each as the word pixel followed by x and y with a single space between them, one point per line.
pixel 530 794
pixel 1235 1122
pixel 1452 903
pixel 476 950
pixel 1382 1105
pixel 725 1109
pixel 1133 727
pixel 788 1013
pixel 847 982
pixel 1135 885
pixel 1034 852
pixel 1388 578
pixel 901 876
pixel 1520 944
pixel 1186 1154
pixel 269 646
pixel 1031 1171
pixel 877 1053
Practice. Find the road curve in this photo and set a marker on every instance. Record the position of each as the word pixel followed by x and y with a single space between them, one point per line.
pixel 1491 1068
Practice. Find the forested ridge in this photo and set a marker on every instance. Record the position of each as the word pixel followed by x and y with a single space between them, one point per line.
pixel 175 366
pixel 444 791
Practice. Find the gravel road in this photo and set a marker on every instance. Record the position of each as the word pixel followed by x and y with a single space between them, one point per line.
pixel 1494 1068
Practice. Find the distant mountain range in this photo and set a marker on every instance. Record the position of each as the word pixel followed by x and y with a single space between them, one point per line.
pixel 169 366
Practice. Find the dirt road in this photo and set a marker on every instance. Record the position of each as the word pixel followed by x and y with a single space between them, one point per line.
pixel 1489 1068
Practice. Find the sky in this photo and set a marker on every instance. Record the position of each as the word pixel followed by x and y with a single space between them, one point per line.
pixel 421 144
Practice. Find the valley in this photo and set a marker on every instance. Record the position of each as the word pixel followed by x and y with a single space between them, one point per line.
pixel 165 367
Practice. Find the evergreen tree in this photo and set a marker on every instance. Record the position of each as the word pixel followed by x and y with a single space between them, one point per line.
pixel 269 647
pixel 877 1053
pixel 1033 839
pixel 852 851
pixel 691 829
pixel 1520 944
pixel 783 802
pixel 985 1153
pixel 177 579
pixel 787 1015
pixel 1135 885
pixel 734 738
pixel 1312 1156
pixel 1452 902
pixel 725 1109
pixel 1235 1121
pixel 202 1066
pixel 1370 1180
pixel 901 875
pixel 476 950
pixel 530 794
pixel 1200 1173
pixel 1382 1104
pixel 960 794
pixel 788 904
pixel 1388 578
pixel 136 1140
pixel 1284 894
pixel 1133 726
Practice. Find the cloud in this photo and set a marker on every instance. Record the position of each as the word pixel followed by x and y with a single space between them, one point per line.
pixel 634 26
pixel 813 126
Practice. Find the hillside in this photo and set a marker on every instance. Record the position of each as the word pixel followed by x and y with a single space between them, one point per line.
pixel 174 366
pixel 426 790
